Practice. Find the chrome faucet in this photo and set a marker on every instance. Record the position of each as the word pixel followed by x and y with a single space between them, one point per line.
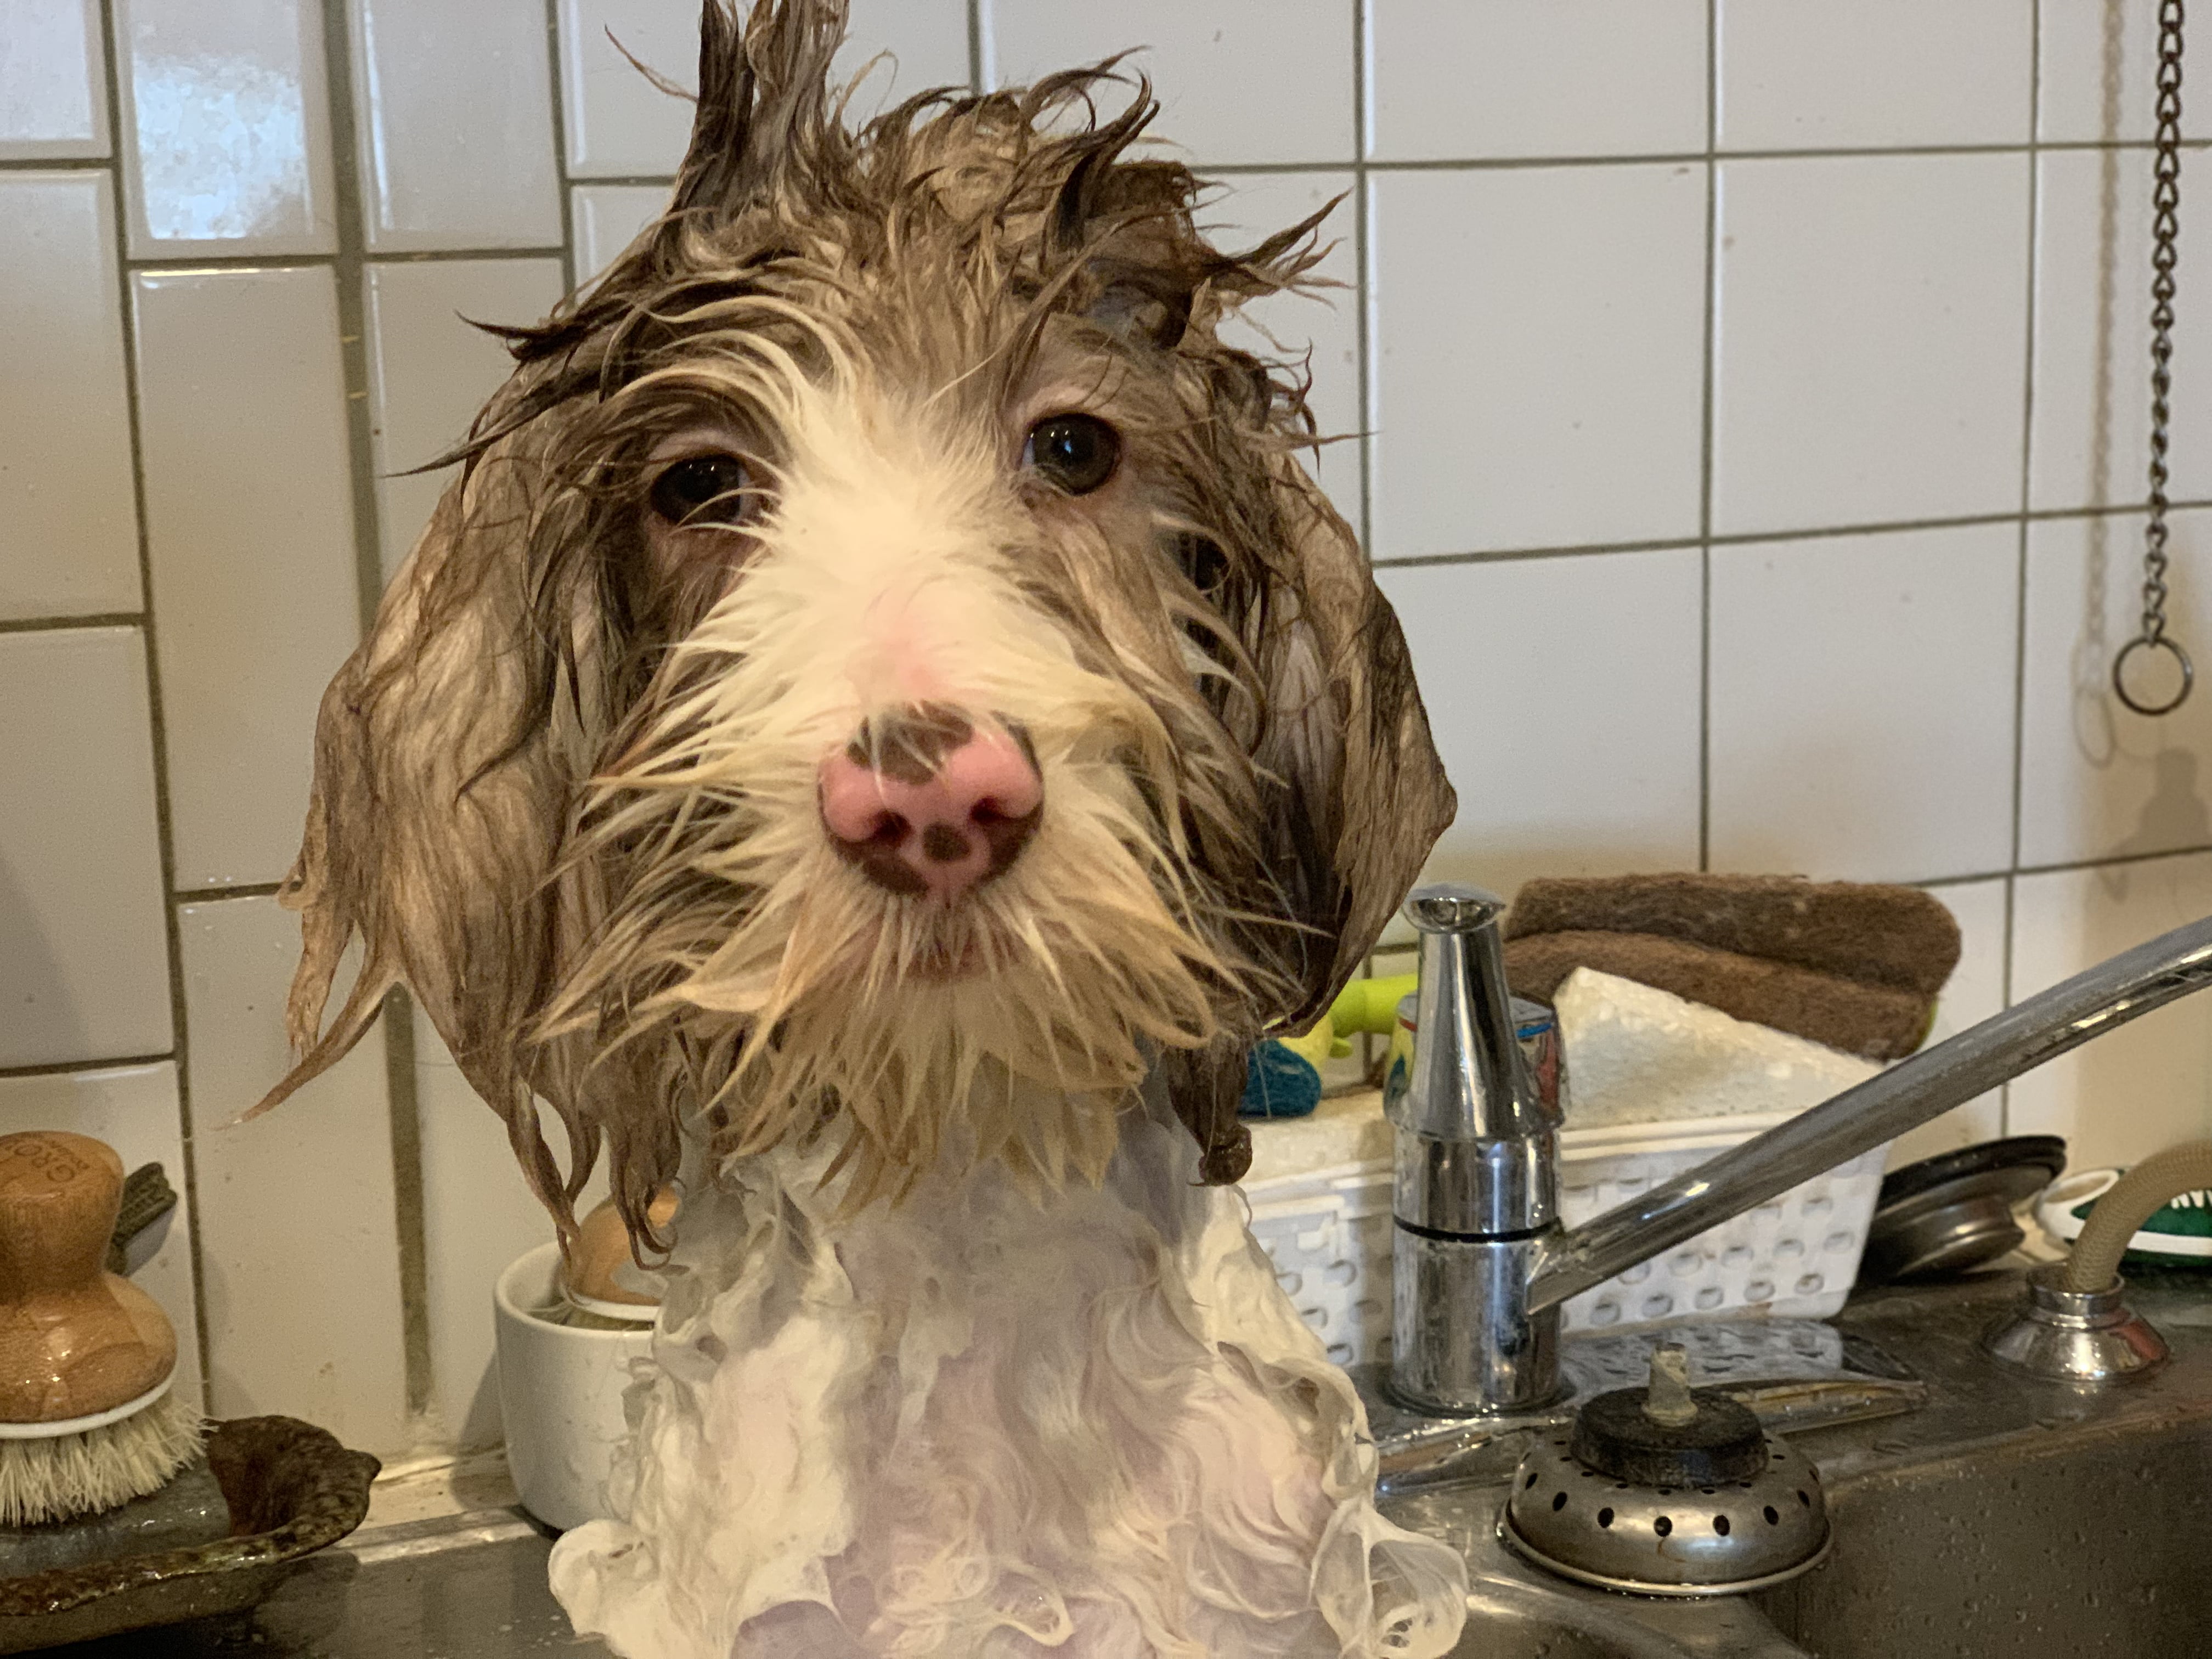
pixel 1481 1262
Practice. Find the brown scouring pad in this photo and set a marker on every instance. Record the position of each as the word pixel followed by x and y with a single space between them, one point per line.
pixel 1854 965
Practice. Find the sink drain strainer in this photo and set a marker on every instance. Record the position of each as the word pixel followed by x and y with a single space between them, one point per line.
pixel 1667 1491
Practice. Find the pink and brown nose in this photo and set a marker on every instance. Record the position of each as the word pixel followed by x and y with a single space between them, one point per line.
pixel 927 801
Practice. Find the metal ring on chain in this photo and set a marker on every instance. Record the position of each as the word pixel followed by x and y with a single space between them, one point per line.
pixel 2119 667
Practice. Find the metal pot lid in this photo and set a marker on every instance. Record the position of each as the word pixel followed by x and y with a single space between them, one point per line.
pixel 1953 1212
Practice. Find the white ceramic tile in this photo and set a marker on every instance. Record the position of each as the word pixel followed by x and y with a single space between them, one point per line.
pixel 478 1216
pixel 1563 696
pixel 1239 80
pixel 455 107
pixel 2090 441
pixel 1502 77
pixel 429 371
pixel 620 125
pixel 1245 210
pixel 1875 74
pixel 53 87
pixel 299 1240
pixel 1538 374
pixel 84 966
pixel 249 517
pixel 1974 992
pixel 134 1109
pixel 606 218
pixel 1862 704
pixel 226 128
pixel 2100 66
pixel 2139 1090
pixel 68 532
pixel 1869 329
pixel 2096 780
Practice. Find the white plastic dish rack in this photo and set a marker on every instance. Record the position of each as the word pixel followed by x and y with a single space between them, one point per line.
pixel 1327 1231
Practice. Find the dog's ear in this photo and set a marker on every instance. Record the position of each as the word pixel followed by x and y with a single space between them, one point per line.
pixel 1345 752
pixel 763 100
pixel 441 790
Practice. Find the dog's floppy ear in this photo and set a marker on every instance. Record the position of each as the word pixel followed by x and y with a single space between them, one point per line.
pixel 1362 796
pixel 441 790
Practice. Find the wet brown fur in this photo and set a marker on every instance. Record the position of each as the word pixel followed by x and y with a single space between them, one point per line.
pixel 957 242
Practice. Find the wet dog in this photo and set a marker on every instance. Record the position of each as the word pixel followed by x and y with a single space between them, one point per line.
pixel 880 727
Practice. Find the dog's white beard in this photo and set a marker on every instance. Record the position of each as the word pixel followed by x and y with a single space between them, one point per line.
pixel 979 1424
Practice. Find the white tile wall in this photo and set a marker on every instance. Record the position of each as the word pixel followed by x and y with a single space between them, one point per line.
pixel 2099 65
pixel 68 529
pixel 1502 77
pixel 1563 692
pixel 300 1256
pixel 54 88
pixel 1324 323
pixel 1663 384
pixel 1875 74
pixel 2098 781
pixel 478 1216
pixel 1539 367
pixel 84 970
pixel 1870 319
pixel 429 371
pixel 2149 1085
pixel 225 119
pixel 455 105
pixel 619 123
pixel 1862 704
pixel 1239 82
pixel 607 219
pixel 134 1109
pixel 2092 415
pixel 249 528
pixel 1976 991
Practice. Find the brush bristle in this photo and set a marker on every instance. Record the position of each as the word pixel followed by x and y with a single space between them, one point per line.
pixel 78 1474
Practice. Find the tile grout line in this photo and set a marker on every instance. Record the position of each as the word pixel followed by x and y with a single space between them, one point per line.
pixel 79 1067
pixel 2026 500
pixel 562 183
pixel 1709 355
pixel 349 271
pixel 1364 332
pixel 156 713
pixel 1692 158
pixel 974 12
pixel 1761 537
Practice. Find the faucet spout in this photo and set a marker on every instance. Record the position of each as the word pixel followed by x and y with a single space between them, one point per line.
pixel 1926 1085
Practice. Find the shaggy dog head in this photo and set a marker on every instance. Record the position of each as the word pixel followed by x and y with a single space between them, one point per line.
pixel 882 673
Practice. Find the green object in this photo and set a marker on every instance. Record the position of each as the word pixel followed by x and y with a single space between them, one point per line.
pixel 1371 1005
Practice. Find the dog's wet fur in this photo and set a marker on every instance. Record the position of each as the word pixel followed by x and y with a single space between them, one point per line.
pixel 813 469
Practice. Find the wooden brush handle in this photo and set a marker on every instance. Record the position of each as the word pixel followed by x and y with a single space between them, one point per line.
pixel 73 1339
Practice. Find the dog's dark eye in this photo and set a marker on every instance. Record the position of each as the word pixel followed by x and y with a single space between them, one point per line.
pixel 1078 452
pixel 703 490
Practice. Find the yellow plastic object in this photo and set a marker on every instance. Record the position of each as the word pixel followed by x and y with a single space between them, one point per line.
pixel 1371 1005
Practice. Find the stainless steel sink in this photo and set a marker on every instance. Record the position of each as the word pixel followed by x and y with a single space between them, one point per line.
pixel 2006 1518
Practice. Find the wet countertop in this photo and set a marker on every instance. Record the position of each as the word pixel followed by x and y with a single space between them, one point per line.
pixel 463 1587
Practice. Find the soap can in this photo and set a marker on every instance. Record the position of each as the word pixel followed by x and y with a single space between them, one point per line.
pixel 1535 1027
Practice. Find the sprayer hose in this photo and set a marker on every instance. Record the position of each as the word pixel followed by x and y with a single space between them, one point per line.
pixel 2127 1204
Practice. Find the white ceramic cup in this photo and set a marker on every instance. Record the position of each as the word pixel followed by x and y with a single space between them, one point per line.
pixel 560 1393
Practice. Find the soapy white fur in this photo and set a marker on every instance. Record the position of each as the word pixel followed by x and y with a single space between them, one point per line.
pixel 985 1424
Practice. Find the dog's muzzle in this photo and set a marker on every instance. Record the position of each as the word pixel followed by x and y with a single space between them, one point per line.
pixel 926 800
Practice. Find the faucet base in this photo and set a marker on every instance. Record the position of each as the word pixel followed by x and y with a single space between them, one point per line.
pixel 2074 1336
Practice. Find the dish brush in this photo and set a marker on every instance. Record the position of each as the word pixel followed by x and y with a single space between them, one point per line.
pixel 87 1417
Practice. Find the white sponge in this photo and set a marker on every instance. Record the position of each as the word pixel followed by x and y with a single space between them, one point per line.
pixel 1639 1056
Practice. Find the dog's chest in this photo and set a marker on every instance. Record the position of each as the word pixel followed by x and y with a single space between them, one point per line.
pixel 982 1423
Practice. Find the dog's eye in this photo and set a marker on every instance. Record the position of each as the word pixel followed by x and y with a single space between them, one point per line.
pixel 1078 452
pixel 703 490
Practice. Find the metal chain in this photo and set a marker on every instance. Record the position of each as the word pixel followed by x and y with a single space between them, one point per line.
pixel 2166 230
